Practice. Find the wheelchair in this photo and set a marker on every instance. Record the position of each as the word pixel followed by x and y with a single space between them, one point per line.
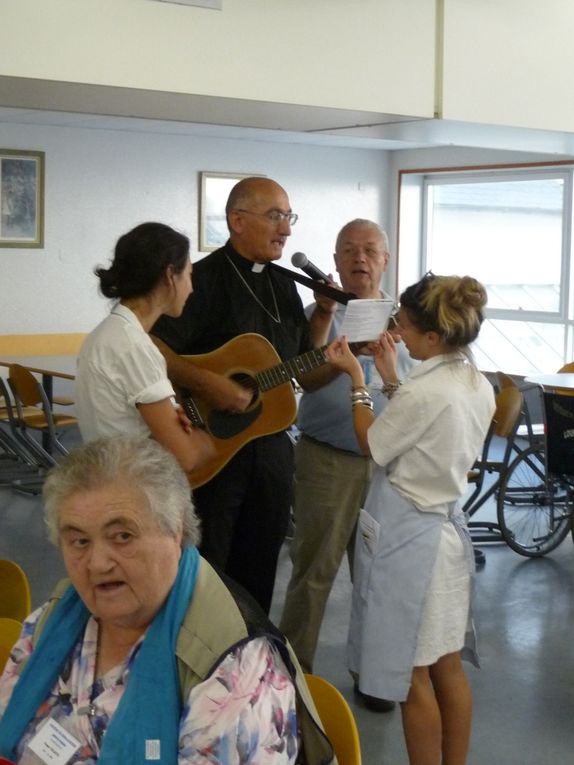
pixel 536 492
pixel 534 486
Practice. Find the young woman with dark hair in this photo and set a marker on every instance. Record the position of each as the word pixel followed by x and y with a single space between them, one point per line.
pixel 122 384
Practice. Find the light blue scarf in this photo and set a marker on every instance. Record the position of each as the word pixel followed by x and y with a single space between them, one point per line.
pixel 150 707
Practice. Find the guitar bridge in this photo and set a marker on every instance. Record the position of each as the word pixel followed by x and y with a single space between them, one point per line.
pixel 192 413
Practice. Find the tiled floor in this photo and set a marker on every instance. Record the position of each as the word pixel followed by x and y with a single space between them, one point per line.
pixel 524 694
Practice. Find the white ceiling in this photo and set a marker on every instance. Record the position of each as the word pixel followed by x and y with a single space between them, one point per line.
pixel 94 106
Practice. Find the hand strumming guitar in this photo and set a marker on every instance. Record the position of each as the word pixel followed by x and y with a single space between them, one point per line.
pixel 218 391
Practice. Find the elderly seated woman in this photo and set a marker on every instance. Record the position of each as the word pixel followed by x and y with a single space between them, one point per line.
pixel 143 654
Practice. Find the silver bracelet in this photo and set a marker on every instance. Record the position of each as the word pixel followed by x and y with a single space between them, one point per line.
pixel 368 402
pixel 360 394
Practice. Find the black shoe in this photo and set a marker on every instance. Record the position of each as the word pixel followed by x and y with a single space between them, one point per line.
pixel 479 557
pixel 373 703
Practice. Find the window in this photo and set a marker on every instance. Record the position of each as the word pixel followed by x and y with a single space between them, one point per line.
pixel 511 230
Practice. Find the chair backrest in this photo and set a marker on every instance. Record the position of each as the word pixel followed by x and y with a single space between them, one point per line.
pixel 508 411
pixel 9 633
pixel 15 600
pixel 337 719
pixel 25 386
pixel 504 381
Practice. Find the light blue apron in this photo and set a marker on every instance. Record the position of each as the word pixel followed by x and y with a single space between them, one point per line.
pixel 396 548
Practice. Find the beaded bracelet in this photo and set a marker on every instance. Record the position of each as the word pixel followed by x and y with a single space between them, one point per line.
pixel 390 388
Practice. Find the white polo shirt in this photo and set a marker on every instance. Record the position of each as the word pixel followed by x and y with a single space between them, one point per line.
pixel 118 367
pixel 433 430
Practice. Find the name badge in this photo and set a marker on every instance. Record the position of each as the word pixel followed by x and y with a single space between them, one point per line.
pixel 54 745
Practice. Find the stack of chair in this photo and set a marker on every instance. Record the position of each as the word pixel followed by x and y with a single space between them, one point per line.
pixel 15 459
pixel 34 414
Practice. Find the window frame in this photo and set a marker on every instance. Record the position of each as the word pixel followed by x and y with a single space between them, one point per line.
pixel 412 229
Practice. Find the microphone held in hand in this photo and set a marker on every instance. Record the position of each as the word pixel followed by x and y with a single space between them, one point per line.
pixel 300 260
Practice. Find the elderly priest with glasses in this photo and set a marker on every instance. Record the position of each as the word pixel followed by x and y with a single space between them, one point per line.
pixel 244 507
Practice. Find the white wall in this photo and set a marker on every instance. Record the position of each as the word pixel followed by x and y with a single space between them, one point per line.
pixel 376 55
pixel 502 62
pixel 509 62
pixel 101 182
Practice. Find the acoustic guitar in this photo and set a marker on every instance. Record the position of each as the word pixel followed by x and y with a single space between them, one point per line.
pixel 251 361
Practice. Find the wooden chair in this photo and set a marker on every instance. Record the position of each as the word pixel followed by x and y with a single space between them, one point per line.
pixel 15 600
pixel 337 719
pixel 504 424
pixel 35 413
pixel 9 633
pixel 528 428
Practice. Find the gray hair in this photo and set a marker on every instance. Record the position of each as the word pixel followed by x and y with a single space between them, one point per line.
pixel 129 460
pixel 363 222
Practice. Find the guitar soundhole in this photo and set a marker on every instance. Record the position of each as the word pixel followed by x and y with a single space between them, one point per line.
pixel 225 425
pixel 249 382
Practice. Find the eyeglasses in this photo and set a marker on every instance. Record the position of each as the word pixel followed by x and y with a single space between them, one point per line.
pixel 394 317
pixel 274 216
pixel 421 287
pixel 412 296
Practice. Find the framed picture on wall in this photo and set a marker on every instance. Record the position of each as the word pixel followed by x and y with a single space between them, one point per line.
pixel 213 193
pixel 21 198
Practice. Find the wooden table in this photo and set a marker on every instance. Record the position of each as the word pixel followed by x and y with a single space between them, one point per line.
pixel 564 380
pixel 63 367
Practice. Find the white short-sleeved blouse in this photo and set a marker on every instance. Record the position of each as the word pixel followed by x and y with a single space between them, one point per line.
pixel 118 368
pixel 433 429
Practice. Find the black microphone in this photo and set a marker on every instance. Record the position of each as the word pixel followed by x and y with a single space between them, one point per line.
pixel 300 260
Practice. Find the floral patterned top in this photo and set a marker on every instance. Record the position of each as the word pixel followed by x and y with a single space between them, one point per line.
pixel 243 713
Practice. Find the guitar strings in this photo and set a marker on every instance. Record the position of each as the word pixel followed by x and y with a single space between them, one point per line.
pixel 276 318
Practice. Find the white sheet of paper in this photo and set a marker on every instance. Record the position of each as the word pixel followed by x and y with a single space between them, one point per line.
pixel 365 319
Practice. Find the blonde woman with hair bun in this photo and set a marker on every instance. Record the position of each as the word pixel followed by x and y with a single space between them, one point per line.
pixel 411 611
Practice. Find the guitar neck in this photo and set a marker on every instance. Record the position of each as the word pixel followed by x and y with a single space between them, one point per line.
pixel 287 370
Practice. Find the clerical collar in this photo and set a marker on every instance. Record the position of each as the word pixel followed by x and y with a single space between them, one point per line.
pixel 242 263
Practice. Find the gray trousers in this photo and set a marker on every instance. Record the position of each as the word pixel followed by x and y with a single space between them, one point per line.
pixel 330 488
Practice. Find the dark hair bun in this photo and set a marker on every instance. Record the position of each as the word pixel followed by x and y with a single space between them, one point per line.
pixel 141 258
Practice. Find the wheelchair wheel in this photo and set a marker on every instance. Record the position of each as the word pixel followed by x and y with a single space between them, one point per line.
pixel 533 509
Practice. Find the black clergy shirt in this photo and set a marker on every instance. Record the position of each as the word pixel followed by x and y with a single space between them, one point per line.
pixel 229 298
